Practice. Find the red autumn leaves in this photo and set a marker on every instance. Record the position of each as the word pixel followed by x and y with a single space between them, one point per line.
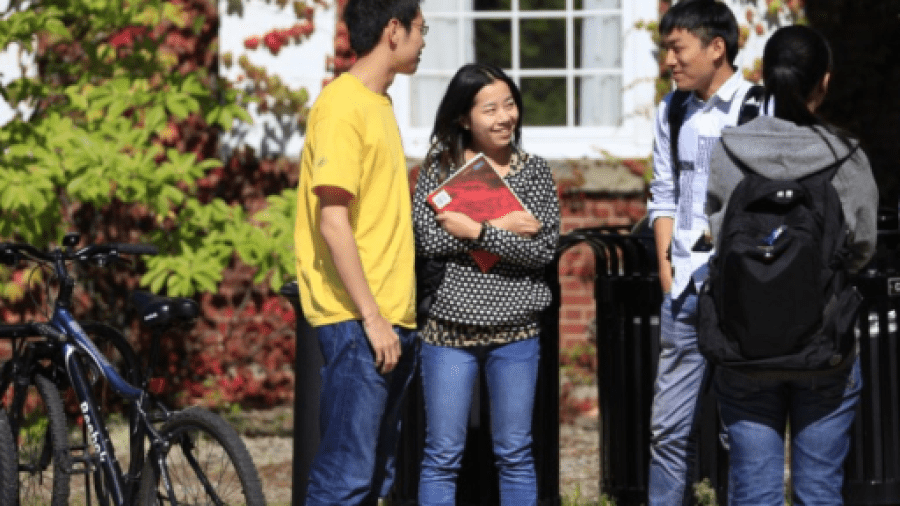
pixel 277 38
pixel 127 36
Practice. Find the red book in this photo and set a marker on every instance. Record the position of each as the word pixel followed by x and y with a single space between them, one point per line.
pixel 477 191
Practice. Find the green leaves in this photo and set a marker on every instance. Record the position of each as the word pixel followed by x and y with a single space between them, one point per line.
pixel 109 134
pixel 21 27
pixel 182 275
pixel 269 241
pixel 115 132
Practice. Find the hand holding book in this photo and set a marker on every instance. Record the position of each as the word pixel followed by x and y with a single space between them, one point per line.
pixel 477 191
pixel 521 223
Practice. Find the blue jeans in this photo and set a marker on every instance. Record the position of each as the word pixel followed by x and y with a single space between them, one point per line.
pixel 679 379
pixel 755 413
pixel 359 417
pixel 448 378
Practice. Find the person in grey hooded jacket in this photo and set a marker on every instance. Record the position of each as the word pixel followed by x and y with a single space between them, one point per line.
pixel 781 149
pixel 789 143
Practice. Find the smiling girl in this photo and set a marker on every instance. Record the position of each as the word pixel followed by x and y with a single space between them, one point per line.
pixel 481 319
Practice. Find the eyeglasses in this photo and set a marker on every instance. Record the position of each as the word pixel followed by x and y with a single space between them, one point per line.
pixel 424 29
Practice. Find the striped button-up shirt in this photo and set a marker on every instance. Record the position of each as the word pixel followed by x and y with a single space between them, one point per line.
pixel 681 194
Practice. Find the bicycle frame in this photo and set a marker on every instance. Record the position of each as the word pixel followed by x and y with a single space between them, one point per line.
pixel 77 340
pixel 72 340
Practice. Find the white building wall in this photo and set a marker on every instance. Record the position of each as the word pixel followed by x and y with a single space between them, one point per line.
pixel 297 65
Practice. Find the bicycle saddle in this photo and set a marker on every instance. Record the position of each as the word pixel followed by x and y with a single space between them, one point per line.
pixel 156 311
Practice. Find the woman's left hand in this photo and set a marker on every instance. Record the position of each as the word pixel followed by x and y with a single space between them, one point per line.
pixel 459 225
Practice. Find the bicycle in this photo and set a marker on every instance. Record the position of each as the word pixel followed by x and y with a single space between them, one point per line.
pixel 152 471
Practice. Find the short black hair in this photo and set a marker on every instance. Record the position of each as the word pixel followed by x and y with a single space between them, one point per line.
pixel 706 20
pixel 366 20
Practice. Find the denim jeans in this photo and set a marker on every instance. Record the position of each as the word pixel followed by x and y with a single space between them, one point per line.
pixel 755 412
pixel 679 379
pixel 448 378
pixel 359 417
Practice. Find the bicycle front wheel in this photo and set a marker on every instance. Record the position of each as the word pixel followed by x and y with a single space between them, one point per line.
pixel 8 475
pixel 206 463
pixel 44 459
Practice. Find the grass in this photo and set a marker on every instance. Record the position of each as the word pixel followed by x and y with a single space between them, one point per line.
pixel 576 500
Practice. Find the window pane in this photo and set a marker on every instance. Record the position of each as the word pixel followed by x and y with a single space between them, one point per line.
pixel 597 4
pixel 446 54
pixel 493 42
pixel 544 100
pixel 597 42
pixel 491 5
pixel 426 93
pixel 543 43
pixel 598 101
pixel 542 5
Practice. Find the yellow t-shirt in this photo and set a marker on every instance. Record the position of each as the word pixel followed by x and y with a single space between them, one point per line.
pixel 353 142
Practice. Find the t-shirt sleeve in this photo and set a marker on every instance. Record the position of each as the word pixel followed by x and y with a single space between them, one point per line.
pixel 337 156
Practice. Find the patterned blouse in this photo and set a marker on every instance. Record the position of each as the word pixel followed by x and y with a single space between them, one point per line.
pixel 474 308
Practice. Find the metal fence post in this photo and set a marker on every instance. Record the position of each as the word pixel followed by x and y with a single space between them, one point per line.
pixel 308 363
pixel 872 468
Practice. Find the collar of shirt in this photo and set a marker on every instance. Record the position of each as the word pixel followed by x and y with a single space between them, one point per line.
pixel 517 161
pixel 724 95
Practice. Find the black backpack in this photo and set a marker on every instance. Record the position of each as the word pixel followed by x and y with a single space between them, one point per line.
pixel 778 296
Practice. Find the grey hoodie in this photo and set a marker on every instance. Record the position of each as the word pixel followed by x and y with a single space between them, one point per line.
pixel 780 149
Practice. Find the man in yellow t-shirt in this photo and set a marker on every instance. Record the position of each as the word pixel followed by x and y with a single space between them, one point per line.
pixel 355 255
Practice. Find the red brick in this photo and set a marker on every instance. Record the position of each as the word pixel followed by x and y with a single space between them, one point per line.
pixel 636 211
pixel 570 285
pixel 570 330
pixel 577 299
pixel 601 210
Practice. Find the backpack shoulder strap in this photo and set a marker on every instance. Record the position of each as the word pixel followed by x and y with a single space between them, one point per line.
pixel 675 116
pixel 752 104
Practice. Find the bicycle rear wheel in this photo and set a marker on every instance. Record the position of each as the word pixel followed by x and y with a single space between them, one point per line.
pixel 8 476
pixel 206 463
pixel 38 420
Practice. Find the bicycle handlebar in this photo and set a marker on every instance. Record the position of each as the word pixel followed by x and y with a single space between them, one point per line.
pixel 9 252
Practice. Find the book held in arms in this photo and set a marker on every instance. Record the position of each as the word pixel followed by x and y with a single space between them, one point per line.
pixel 478 191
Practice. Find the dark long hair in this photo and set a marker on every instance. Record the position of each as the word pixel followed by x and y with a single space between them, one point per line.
pixel 449 139
pixel 795 60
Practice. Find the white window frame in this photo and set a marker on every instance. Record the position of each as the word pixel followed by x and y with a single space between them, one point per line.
pixel 631 139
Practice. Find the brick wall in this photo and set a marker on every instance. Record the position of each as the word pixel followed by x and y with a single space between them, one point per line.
pixel 576 267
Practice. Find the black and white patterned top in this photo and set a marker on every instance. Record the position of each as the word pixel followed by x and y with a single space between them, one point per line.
pixel 511 295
